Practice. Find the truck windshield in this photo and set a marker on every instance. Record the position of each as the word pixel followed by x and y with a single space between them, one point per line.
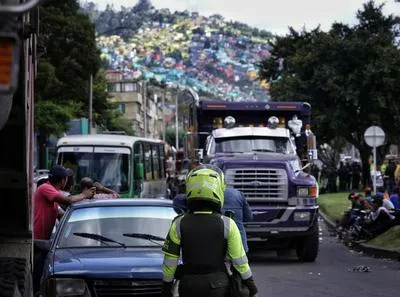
pixel 280 145
pixel 110 169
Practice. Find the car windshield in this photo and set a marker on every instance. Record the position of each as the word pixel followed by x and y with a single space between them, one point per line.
pixel 109 168
pixel 279 145
pixel 84 226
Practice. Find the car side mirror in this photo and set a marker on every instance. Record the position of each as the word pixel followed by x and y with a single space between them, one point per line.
pixel 43 245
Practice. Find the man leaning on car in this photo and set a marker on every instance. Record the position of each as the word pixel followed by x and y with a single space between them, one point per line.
pixel 45 211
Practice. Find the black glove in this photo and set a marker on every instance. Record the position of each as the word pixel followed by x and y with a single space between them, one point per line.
pixel 179 272
pixel 252 286
pixel 167 289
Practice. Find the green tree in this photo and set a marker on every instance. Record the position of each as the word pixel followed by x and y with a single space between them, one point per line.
pixel 68 55
pixel 67 42
pixel 52 118
pixel 350 75
pixel 170 137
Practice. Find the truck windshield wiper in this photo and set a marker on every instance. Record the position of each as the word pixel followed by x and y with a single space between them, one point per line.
pixel 98 237
pixel 148 237
pixel 263 150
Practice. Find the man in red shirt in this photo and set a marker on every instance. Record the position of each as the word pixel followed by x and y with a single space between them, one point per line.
pixel 45 212
pixel 46 198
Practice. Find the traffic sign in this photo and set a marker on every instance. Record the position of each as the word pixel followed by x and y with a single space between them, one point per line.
pixel 374 136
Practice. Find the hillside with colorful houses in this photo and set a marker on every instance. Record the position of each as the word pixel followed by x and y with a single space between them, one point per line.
pixel 215 57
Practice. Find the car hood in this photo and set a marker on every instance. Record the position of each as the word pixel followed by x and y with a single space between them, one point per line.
pixel 109 262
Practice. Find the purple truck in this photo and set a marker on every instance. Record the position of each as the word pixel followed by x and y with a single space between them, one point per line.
pixel 265 150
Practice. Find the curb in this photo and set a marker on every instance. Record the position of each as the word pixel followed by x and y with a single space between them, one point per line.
pixel 377 252
pixel 364 247
pixel 331 224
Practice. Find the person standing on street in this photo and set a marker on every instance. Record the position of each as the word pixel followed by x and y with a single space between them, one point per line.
pixel 390 177
pixel 237 203
pixel 234 201
pixel 205 238
pixel 101 192
pixel 47 198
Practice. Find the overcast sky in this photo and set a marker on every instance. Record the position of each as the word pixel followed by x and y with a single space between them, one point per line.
pixel 273 15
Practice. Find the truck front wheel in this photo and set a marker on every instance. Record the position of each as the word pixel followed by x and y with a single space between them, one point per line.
pixel 308 246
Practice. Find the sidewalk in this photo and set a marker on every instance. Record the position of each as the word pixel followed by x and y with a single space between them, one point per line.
pixel 366 248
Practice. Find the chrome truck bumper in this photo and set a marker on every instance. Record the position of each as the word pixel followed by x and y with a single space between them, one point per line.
pixel 281 222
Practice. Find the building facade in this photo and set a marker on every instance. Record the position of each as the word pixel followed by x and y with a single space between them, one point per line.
pixel 138 107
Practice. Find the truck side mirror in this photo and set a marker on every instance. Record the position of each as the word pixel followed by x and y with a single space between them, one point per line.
pixel 312 147
pixel 139 171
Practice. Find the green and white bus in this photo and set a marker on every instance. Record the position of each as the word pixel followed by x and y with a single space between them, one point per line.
pixel 132 166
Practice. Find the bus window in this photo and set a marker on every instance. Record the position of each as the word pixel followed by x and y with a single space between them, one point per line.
pixel 156 161
pixel 148 170
pixel 112 170
pixel 162 161
pixel 138 159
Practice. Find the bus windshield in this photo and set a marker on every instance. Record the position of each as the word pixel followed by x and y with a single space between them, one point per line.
pixel 107 166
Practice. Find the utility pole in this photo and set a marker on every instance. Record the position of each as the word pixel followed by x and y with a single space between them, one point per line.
pixel 144 96
pixel 163 113
pixel 176 119
pixel 91 104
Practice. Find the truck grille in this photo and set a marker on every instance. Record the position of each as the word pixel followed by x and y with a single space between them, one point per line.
pixel 122 288
pixel 259 184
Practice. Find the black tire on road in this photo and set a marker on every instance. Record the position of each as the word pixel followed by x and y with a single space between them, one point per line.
pixel 15 277
pixel 307 248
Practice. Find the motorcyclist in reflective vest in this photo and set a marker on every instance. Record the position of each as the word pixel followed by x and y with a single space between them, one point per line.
pixel 205 238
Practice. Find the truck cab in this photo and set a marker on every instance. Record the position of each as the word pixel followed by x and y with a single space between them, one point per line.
pixel 264 159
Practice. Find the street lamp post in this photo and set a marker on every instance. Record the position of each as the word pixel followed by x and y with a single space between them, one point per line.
pixel 91 104
pixel 176 120
pixel 163 113
pixel 144 98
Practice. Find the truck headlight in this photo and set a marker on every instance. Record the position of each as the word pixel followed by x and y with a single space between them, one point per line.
pixel 302 216
pixel 71 287
pixel 307 192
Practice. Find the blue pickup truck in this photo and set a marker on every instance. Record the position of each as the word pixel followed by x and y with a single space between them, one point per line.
pixel 265 151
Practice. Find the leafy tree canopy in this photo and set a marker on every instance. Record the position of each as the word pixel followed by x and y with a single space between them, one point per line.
pixel 68 55
pixel 350 75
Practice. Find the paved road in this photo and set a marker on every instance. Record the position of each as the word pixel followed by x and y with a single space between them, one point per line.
pixel 331 275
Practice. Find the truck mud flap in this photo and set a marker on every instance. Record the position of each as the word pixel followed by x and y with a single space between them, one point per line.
pixel 15 278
